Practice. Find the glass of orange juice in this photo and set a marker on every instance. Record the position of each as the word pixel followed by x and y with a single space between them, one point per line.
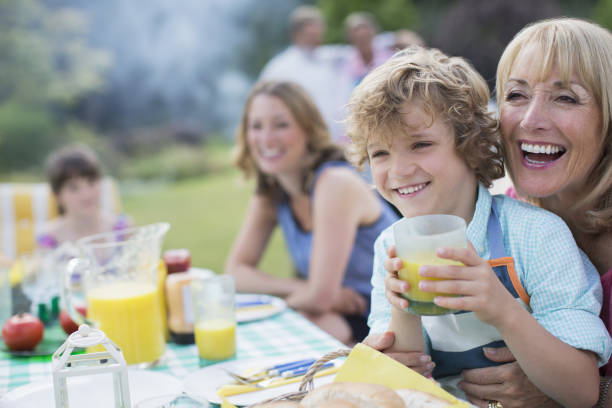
pixel 214 317
pixel 416 242
pixel 119 275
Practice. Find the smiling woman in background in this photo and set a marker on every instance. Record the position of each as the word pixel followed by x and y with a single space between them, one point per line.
pixel 328 215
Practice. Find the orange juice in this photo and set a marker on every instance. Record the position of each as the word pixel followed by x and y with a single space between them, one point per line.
pixel 129 313
pixel 421 303
pixel 162 273
pixel 216 339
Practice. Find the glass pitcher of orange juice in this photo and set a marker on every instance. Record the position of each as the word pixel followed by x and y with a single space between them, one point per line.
pixel 117 274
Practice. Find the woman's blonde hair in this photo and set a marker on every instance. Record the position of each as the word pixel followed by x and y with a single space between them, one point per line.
pixel 449 87
pixel 581 48
pixel 319 145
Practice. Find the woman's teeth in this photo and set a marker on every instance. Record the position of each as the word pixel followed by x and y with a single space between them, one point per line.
pixel 411 189
pixel 267 153
pixel 541 149
pixel 541 154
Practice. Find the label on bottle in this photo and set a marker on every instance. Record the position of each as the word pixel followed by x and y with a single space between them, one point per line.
pixel 187 304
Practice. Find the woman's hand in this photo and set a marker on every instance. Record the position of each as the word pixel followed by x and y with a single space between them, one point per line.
pixel 419 362
pixel 506 383
pixel 393 285
pixel 350 303
pixel 480 289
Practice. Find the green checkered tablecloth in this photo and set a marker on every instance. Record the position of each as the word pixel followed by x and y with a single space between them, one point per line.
pixel 287 333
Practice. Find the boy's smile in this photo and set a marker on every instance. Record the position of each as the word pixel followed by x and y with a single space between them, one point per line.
pixel 414 189
pixel 420 171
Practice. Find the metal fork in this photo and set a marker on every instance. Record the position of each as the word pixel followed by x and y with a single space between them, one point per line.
pixel 244 380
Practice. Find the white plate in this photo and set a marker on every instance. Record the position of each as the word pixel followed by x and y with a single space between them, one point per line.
pixel 92 391
pixel 270 306
pixel 206 381
pixel 201 272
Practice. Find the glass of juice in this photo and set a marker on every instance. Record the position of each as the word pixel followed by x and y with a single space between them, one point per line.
pixel 214 317
pixel 416 242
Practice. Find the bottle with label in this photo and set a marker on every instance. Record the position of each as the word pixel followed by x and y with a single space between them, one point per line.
pixel 178 298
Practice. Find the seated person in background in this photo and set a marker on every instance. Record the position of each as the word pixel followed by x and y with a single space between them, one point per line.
pixel 328 215
pixel 74 174
pixel 421 120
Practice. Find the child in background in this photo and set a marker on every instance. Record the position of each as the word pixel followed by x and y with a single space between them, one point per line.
pixel 421 121
pixel 74 174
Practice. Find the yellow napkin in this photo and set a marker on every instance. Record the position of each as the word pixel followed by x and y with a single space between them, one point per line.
pixel 16 272
pixel 226 404
pixel 364 364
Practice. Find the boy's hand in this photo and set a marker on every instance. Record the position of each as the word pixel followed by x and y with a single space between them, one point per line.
pixel 481 290
pixel 393 285
pixel 383 342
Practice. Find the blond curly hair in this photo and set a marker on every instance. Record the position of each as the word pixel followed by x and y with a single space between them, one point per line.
pixel 449 87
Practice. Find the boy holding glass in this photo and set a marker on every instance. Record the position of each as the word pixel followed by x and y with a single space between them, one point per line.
pixel 421 121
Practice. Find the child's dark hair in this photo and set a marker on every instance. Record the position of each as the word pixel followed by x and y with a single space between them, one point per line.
pixel 70 162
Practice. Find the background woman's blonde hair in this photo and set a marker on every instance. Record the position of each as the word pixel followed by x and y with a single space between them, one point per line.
pixel 309 119
pixel 450 89
pixel 581 48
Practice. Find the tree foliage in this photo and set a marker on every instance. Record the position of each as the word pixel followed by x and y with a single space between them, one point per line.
pixel 390 14
pixel 472 29
pixel 602 13
pixel 46 67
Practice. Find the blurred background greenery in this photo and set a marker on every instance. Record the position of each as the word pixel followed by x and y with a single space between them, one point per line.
pixel 156 88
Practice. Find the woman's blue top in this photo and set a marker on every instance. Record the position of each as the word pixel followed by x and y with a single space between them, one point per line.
pixel 359 268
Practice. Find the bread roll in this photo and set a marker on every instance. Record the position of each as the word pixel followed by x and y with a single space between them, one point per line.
pixel 279 404
pixel 338 404
pixel 360 395
pixel 419 399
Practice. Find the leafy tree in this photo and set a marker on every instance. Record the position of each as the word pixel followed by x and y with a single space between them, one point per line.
pixel 602 13
pixel 390 14
pixel 46 67
pixel 480 30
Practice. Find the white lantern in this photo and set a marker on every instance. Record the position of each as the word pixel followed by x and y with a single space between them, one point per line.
pixel 65 365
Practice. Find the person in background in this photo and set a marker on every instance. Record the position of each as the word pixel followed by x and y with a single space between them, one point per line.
pixel 361 29
pixel 405 38
pixel 554 87
pixel 328 215
pixel 312 65
pixel 74 174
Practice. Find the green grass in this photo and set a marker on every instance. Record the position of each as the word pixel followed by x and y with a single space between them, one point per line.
pixel 205 214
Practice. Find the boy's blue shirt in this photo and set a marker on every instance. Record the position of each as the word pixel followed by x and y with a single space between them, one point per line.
pixel 563 285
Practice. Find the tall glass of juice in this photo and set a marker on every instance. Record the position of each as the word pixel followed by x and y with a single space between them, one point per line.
pixel 416 242
pixel 214 317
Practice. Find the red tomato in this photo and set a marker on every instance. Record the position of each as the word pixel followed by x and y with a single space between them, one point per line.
pixel 66 321
pixel 22 332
